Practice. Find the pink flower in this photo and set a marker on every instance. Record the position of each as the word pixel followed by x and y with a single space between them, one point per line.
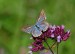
pixel 66 36
pixel 56 33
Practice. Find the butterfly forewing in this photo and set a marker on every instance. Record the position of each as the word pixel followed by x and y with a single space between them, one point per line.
pixel 42 16
pixel 28 30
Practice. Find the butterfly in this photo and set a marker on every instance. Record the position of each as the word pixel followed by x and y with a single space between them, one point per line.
pixel 40 26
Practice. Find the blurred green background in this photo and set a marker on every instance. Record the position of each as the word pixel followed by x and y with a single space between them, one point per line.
pixel 14 14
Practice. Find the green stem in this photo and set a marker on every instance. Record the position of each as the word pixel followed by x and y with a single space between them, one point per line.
pixel 57 47
pixel 49 46
pixel 53 44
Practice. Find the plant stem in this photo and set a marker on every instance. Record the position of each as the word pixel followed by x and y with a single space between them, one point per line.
pixel 49 46
pixel 57 47
pixel 53 44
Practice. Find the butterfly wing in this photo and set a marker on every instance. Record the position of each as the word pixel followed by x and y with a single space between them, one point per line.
pixel 42 16
pixel 33 30
pixel 28 30
pixel 41 22
pixel 43 26
pixel 36 32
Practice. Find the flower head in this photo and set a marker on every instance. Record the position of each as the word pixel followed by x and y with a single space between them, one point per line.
pixel 56 33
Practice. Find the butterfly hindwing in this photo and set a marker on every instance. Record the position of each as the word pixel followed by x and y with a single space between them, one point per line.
pixel 36 32
pixel 33 30
pixel 43 26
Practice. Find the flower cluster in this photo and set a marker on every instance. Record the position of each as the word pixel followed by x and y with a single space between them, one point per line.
pixel 56 33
